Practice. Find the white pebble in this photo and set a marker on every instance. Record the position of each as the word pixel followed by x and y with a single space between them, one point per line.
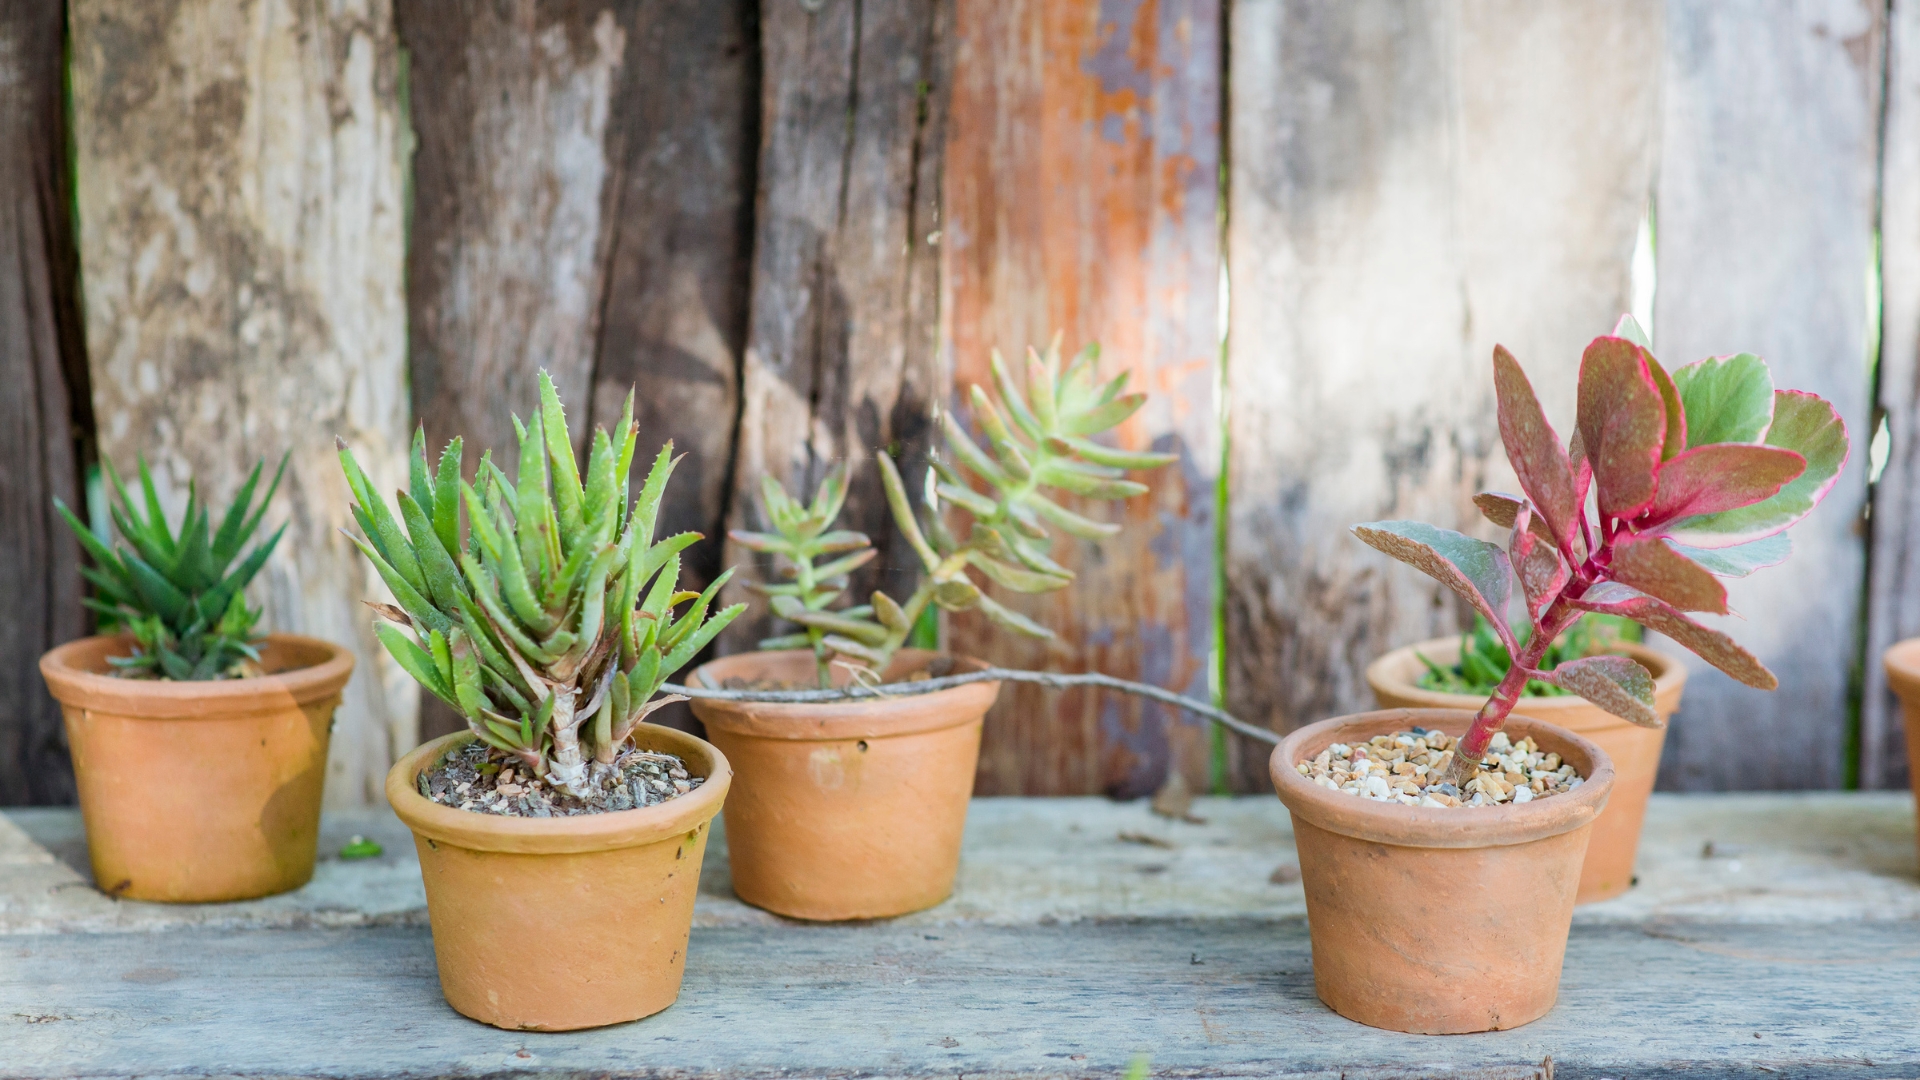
pixel 1521 795
pixel 1377 787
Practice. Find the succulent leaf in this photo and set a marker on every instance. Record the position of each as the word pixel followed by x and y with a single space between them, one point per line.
pixel 1478 571
pixel 1615 683
pixel 1809 427
pixel 1728 399
pixel 1622 424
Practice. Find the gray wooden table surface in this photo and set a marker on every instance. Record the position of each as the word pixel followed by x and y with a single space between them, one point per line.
pixel 1082 933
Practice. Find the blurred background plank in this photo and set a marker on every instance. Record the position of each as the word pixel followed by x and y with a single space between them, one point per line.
pixel 46 415
pixel 1082 198
pixel 240 203
pixel 840 357
pixel 1382 236
pixel 1767 206
pixel 1893 584
pixel 583 200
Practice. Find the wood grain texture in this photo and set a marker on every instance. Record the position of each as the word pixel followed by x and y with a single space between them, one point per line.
pixel 240 201
pixel 1411 183
pixel 517 162
pixel 675 310
pixel 841 347
pixel 1082 198
pixel 1768 174
pixel 512 106
pixel 46 415
pixel 1893 583
pixel 1219 998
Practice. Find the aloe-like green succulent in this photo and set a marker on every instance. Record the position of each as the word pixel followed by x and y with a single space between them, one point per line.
pixel 540 628
pixel 179 594
pixel 1039 442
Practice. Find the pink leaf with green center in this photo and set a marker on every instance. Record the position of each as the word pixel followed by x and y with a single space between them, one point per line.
pixel 1716 648
pixel 1615 683
pixel 1806 425
pixel 1647 563
pixel 1478 571
pixel 1623 424
pixel 1721 476
pixel 1533 448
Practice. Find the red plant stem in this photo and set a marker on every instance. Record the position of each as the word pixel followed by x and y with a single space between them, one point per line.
pixel 1492 715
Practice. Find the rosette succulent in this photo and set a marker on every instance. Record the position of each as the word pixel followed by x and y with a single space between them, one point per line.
pixel 552 623
pixel 180 594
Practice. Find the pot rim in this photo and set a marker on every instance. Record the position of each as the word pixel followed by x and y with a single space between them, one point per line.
pixel 1902 663
pixel 1458 827
pixel 608 831
pixel 839 720
pixel 155 699
pixel 1669 678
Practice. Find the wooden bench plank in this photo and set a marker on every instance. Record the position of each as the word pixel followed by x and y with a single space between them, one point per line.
pixel 1213 998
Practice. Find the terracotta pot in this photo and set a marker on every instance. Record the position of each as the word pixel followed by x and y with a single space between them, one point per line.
pixel 200 791
pixel 1634 750
pixel 553 924
pixel 1902 660
pixel 1438 921
pixel 849 810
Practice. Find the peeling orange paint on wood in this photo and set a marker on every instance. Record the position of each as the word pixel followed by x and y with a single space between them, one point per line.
pixel 1081 197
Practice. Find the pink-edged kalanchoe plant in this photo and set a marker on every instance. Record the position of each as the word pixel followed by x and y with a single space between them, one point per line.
pixel 1671 481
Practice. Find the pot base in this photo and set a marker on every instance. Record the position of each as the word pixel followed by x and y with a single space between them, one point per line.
pixel 1439 921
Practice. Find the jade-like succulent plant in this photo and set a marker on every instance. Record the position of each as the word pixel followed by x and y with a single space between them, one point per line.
pixel 180 594
pixel 1671 482
pixel 540 628
pixel 1039 440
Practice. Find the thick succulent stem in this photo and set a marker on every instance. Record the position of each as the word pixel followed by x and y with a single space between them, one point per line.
pixel 568 772
pixel 1472 747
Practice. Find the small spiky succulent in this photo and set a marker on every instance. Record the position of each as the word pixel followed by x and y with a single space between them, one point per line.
pixel 180 594
pixel 541 629
pixel 1047 446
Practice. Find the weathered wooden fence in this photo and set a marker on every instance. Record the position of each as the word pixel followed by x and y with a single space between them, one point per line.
pixel 798 226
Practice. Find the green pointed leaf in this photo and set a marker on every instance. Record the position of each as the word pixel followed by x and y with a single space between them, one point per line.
pixel 568 496
pixel 447 497
pixel 414 660
pixel 1011 619
pixel 1101 417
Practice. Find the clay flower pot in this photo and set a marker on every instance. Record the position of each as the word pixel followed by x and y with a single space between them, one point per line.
pixel 1438 921
pixel 1634 750
pixel 849 810
pixel 200 791
pixel 553 924
pixel 1902 660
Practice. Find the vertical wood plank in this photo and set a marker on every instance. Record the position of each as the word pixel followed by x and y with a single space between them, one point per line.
pixel 1082 197
pixel 512 106
pixel 675 317
pixel 1766 218
pixel 239 192
pixel 1411 182
pixel 1893 588
pixel 45 413
pixel 840 356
